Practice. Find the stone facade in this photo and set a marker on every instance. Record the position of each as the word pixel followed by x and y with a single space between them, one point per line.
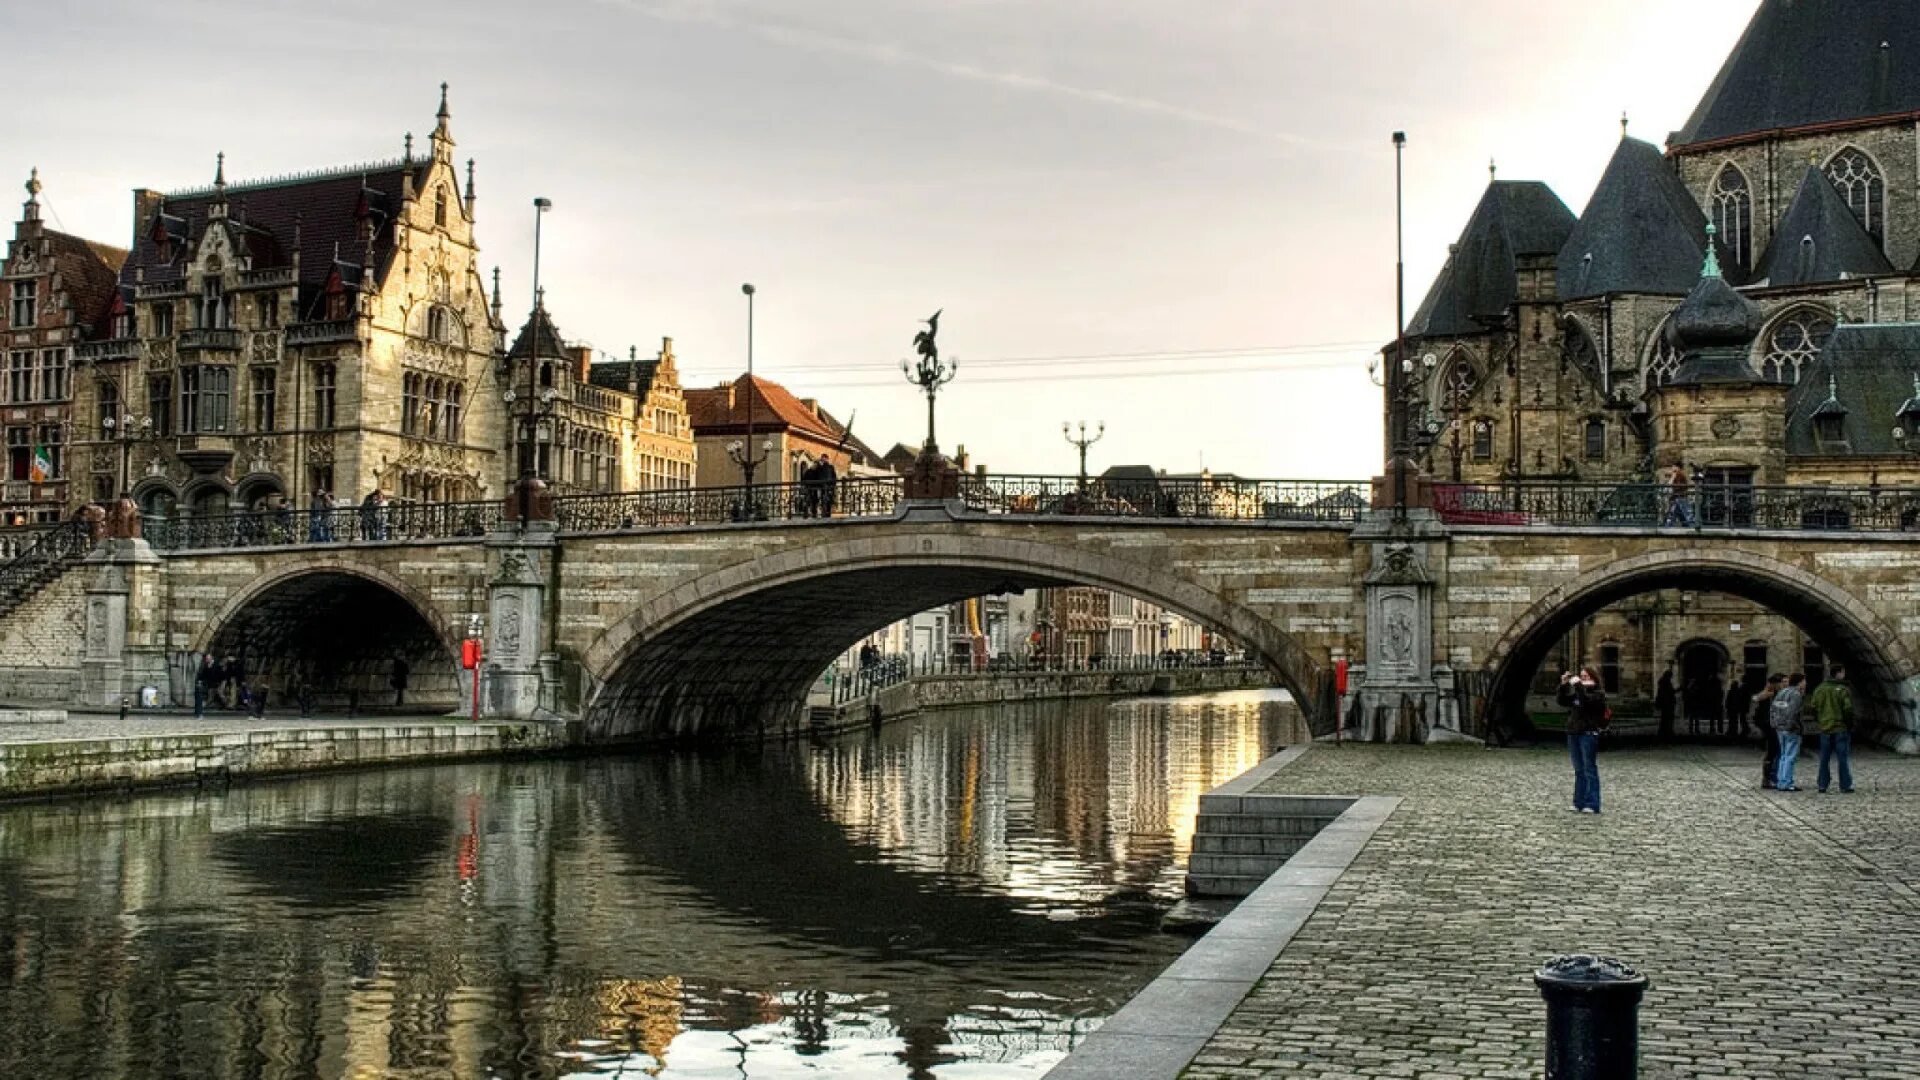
pixel 325 333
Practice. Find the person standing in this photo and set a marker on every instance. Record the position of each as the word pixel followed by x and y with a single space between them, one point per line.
pixel 320 517
pixel 1784 717
pixel 1664 699
pixel 1832 708
pixel 398 680
pixel 1739 699
pixel 1763 722
pixel 204 675
pixel 1587 716
pixel 1679 498
pixel 828 479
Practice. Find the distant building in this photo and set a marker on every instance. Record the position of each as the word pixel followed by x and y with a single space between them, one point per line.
pixel 57 288
pixel 787 432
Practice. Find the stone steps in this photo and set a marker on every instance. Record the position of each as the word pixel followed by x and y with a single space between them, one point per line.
pixel 1240 840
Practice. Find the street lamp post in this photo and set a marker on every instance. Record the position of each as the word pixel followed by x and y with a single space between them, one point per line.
pixel 528 421
pixel 744 453
pixel 1397 372
pixel 125 431
pixel 929 374
pixel 1082 442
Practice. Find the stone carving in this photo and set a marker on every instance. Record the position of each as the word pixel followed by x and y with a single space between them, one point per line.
pixel 123 520
pixel 1726 427
pixel 506 628
pixel 513 567
pixel 1399 643
pixel 320 449
pixel 260 455
pixel 1399 565
pixel 97 625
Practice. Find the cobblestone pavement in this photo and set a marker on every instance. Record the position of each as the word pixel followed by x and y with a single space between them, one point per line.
pixel 1781 931
pixel 146 725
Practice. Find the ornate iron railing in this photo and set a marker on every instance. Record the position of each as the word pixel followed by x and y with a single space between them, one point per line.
pixel 393 523
pixel 50 553
pixel 853 497
pixel 1701 507
pixel 1206 498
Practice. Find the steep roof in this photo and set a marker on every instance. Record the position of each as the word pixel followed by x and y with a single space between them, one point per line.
pixel 1819 240
pixel 1641 231
pixel 327 207
pixel 1480 279
pixel 551 344
pixel 1805 62
pixel 724 408
pixel 1872 369
pixel 88 271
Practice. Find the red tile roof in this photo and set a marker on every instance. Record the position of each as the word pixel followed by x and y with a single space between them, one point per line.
pixel 723 408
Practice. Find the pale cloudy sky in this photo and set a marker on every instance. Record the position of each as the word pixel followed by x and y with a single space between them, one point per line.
pixel 1174 216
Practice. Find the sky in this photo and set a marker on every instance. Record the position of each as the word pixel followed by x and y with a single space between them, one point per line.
pixel 1172 218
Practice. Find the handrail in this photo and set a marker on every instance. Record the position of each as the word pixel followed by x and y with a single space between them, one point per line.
pixel 53 550
pixel 394 522
pixel 1699 507
pixel 1218 498
pixel 851 497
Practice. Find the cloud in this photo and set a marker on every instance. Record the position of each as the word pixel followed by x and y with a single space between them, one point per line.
pixel 718 13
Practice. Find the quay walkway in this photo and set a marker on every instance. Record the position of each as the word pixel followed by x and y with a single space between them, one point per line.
pixel 1777 928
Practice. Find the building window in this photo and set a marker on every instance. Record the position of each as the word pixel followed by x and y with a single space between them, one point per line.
pixel 53 374
pixel 1813 663
pixel 19 453
pixel 26 305
pixel 1663 360
pixel 409 404
pixel 163 320
pixel 206 393
pixel 160 403
pixel 1596 440
pixel 440 205
pixel 338 304
pixel 1864 188
pixel 1793 344
pixel 1733 214
pixel 323 395
pixel 1483 439
pixel 48 459
pixel 269 312
pixel 1610 668
pixel 107 394
pixel 320 478
pixel 265 389
pixel 20 377
pixel 123 325
pixel 1457 385
pixel 214 309
pixel 456 415
pixel 437 323
pixel 1828 429
pixel 1754 665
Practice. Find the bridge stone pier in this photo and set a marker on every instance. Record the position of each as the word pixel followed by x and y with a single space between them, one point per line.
pixel 697 631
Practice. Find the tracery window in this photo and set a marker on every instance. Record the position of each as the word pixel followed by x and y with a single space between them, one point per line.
pixel 1458 382
pixel 1864 188
pixel 1793 343
pixel 1733 214
pixel 1663 360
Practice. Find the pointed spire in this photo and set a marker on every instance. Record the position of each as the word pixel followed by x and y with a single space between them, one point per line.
pixel 220 169
pixel 1712 268
pixel 1833 388
pixel 442 135
pixel 469 199
pixel 1493 170
pixel 443 113
pixel 406 154
pixel 1623 123
pixel 496 294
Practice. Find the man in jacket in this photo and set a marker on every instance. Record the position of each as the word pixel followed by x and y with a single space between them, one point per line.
pixel 1586 706
pixel 1832 708
pixel 1784 718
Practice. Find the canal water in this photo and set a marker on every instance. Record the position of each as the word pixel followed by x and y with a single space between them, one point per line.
pixel 964 895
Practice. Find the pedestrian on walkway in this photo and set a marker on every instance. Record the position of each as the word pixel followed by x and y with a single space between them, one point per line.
pixel 1832 709
pixel 1587 717
pixel 320 517
pixel 1679 498
pixel 1664 700
pixel 204 677
pixel 1784 717
pixel 1763 721
pixel 398 680
pixel 1739 699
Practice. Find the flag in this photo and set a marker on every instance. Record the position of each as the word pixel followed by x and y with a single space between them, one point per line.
pixel 42 468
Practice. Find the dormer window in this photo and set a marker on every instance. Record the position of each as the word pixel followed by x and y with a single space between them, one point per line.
pixel 26 305
pixel 123 324
pixel 1830 419
pixel 213 310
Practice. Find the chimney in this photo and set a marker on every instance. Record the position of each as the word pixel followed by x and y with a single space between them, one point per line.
pixel 145 202
pixel 583 359
pixel 812 405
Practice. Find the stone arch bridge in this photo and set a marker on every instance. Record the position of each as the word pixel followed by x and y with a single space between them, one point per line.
pixel 631 624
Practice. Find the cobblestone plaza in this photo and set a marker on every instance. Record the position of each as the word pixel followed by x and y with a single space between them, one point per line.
pixel 1777 929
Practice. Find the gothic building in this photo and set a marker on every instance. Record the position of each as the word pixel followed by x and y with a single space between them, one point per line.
pixel 322 332
pixel 1546 351
pixel 55 287
pixel 599 427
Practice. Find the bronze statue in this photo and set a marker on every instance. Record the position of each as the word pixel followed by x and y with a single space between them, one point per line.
pixel 923 343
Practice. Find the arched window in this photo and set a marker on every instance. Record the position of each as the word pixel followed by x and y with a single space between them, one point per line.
pixel 1580 350
pixel 1793 342
pixel 1458 381
pixel 1596 439
pixel 1733 214
pixel 1864 187
pixel 1662 362
pixel 1482 439
pixel 437 324
pixel 440 205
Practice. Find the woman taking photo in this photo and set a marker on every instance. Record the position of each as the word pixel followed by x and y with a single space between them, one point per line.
pixel 1587 716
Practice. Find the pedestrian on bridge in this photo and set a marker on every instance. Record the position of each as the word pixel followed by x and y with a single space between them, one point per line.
pixel 1784 716
pixel 320 517
pixel 1587 717
pixel 1832 708
pixel 1679 498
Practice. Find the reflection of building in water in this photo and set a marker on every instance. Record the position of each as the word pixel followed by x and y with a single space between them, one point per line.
pixel 642 1014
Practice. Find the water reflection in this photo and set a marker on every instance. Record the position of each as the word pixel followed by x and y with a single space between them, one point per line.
pixel 961 896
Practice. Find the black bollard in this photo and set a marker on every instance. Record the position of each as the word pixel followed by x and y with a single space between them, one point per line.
pixel 1593 1018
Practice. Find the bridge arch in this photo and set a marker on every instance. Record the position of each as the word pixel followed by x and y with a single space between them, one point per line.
pixel 1880 667
pixel 337 626
pixel 737 648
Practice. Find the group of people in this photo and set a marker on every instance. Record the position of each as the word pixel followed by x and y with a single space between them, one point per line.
pixel 221 682
pixel 1780 712
pixel 817 484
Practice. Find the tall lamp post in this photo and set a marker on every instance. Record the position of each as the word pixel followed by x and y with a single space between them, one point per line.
pixel 746 454
pixel 1397 372
pixel 1081 442
pixel 529 481
pixel 126 430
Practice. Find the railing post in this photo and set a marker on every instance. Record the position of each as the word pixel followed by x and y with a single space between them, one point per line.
pixel 1593 1018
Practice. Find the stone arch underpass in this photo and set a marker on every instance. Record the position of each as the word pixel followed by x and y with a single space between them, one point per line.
pixel 337 627
pixel 1880 667
pixel 733 651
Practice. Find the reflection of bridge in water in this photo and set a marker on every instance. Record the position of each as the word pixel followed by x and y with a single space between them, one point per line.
pixel 707 613
pixel 493 917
